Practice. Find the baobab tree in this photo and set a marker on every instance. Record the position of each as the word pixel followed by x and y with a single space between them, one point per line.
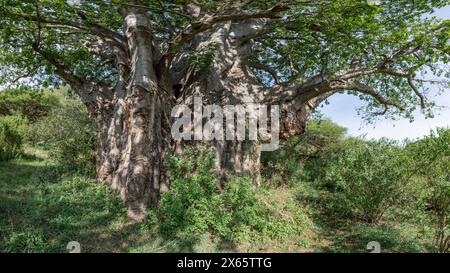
pixel 130 62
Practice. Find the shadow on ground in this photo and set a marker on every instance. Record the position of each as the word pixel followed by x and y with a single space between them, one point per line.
pixel 43 208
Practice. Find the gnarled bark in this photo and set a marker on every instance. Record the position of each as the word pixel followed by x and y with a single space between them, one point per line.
pixel 133 116
pixel 230 81
pixel 134 125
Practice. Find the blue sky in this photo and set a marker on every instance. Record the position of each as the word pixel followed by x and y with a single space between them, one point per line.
pixel 342 110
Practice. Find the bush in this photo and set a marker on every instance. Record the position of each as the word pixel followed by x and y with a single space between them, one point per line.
pixel 192 206
pixel 289 161
pixel 371 178
pixel 432 156
pixel 316 167
pixel 32 104
pixel 240 213
pixel 12 133
pixel 69 134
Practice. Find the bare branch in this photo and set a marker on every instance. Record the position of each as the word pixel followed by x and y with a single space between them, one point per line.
pixel 410 80
pixel 25 75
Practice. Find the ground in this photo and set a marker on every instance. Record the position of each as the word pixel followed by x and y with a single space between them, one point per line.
pixel 42 210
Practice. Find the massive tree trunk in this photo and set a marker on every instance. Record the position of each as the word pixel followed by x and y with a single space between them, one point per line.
pixel 134 124
pixel 194 51
pixel 239 158
pixel 134 120
pixel 230 81
pixel 130 159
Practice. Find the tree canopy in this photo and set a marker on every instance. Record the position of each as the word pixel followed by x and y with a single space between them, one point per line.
pixel 378 50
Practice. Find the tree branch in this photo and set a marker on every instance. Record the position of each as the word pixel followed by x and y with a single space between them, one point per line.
pixel 417 92
pixel 83 88
pixel 208 21
pixel 265 68
pixel 347 80
pixel 94 29
pixel 368 90
pixel 61 69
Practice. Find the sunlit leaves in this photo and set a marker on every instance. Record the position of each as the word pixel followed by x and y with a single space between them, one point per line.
pixel 310 38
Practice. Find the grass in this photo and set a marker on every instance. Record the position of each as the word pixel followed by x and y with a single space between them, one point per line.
pixel 42 209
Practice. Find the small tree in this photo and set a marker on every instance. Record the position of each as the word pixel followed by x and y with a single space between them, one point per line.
pixel 30 103
pixel 12 134
pixel 432 156
pixel 294 158
pixel 69 134
pixel 371 178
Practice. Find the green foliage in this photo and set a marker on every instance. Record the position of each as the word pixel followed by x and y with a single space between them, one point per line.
pixel 13 130
pixel 204 59
pixel 317 165
pixel 371 178
pixel 326 129
pixel 351 31
pixel 293 160
pixel 239 213
pixel 432 160
pixel 42 209
pixel 188 196
pixel 314 38
pixel 32 104
pixel 29 241
pixel 69 134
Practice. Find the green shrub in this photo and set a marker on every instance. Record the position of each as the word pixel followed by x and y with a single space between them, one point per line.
pixel 12 133
pixel 240 213
pixel 371 178
pixel 432 160
pixel 32 104
pixel 326 129
pixel 69 135
pixel 290 161
pixel 189 195
pixel 316 167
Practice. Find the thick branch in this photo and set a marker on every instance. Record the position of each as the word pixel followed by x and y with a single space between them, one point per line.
pixel 265 68
pixel 322 87
pixel 89 92
pixel 208 21
pixel 61 69
pixel 347 80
